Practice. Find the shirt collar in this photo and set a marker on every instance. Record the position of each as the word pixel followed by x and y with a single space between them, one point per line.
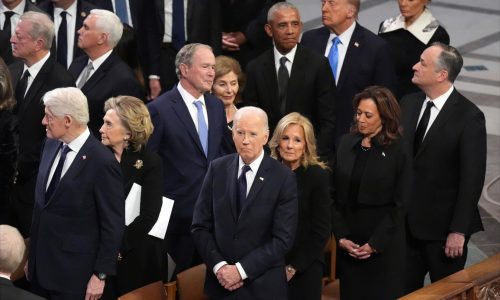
pixel 36 67
pixel 19 9
pixel 71 10
pixel 441 100
pixel 423 28
pixel 344 37
pixel 100 60
pixel 253 165
pixel 290 55
pixel 76 144
pixel 187 97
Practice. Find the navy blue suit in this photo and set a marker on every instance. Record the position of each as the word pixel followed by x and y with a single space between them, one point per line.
pixel 258 238
pixel 177 142
pixel 367 62
pixel 78 230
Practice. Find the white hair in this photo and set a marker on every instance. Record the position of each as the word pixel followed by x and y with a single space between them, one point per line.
pixel 12 249
pixel 42 27
pixel 254 111
pixel 68 101
pixel 109 23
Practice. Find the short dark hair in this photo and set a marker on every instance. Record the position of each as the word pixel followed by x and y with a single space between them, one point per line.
pixel 449 60
pixel 388 108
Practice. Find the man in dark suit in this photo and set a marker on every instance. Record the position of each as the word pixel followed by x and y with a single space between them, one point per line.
pixel 362 59
pixel 308 87
pixel 189 127
pixel 12 250
pixel 34 75
pixel 75 12
pixel 246 216
pixel 78 219
pixel 11 11
pixel 449 145
pixel 101 74
pixel 202 20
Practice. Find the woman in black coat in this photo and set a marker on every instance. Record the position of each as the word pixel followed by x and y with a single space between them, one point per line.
pixel 372 187
pixel 293 143
pixel 408 35
pixel 8 140
pixel 126 129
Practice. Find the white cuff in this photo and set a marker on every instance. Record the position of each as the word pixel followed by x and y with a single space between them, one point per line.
pixel 218 266
pixel 241 271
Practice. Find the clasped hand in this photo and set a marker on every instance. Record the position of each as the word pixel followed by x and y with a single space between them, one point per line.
pixel 229 277
pixel 356 251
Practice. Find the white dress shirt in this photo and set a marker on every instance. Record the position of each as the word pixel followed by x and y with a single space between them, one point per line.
pixel 34 70
pixel 18 11
pixel 95 64
pixel 438 105
pixel 70 28
pixel 290 56
pixel 189 101
pixel 345 39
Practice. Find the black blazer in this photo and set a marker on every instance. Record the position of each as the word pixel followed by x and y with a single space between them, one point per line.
pixel 386 182
pixel 78 231
pixel 83 9
pixel 113 78
pixel 258 238
pixel 367 62
pixel 8 291
pixel 30 113
pixel 449 168
pixel 311 92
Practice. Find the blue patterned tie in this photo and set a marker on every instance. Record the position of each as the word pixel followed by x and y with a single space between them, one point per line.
pixel 333 56
pixel 202 126
pixel 121 11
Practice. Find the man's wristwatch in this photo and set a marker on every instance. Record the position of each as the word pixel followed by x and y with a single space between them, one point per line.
pixel 100 275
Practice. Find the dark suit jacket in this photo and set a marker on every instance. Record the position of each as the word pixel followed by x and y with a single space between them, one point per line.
pixel 311 92
pixel 367 62
pixel 78 230
pixel 258 238
pixel 83 9
pixel 386 182
pixel 5 46
pixel 30 113
pixel 449 168
pixel 9 291
pixel 176 140
pixel 113 78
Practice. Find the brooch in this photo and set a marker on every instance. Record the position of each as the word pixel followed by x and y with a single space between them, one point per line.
pixel 138 164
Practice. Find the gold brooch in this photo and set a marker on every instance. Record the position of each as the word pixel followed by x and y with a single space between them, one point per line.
pixel 138 164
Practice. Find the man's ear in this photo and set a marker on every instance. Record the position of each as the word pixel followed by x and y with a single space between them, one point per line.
pixel 268 30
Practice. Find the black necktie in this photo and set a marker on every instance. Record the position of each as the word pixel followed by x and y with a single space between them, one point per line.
pixel 6 24
pixel 283 77
pixel 242 187
pixel 62 41
pixel 21 87
pixel 178 38
pixel 422 127
pixel 57 173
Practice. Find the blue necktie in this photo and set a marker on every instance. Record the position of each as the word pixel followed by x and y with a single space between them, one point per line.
pixel 178 38
pixel 57 173
pixel 121 11
pixel 242 187
pixel 202 126
pixel 333 56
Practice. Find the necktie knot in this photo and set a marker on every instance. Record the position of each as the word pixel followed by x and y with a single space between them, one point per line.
pixel 245 169
pixel 8 15
pixel 65 149
pixel 63 14
pixel 26 74
pixel 335 41
pixel 333 56
pixel 198 104
pixel 429 105
pixel 283 61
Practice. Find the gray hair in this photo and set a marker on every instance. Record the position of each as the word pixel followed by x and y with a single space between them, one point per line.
pixel 185 56
pixel 251 110
pixel 42 27
pixel 278 6
pixel 449 60
pixel 109 23
pixel 68 101
pixel 12 249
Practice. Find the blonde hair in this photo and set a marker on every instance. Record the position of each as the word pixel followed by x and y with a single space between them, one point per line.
pixel 7 100
pixel 310 156
pixel 134 116
pixel 224 65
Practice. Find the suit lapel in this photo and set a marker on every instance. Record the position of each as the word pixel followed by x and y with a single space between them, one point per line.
pixel 296 78
pixel 183 113
pixel 99 74
pixel 212 125
pixel 258 182
pixel 37 84
pixel 46 164
pixel 270 79
pixel 232 171
pixel 442 118
pixel 351 56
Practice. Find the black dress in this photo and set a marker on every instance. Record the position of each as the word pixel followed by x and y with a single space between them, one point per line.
pixel 143 258
pixel 8 156
pixel 408 44
pixel 313 230
pixel 371 190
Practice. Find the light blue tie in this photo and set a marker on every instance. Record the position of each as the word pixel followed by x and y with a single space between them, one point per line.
pixel 202 126
pixel 333 56
pixel 121 11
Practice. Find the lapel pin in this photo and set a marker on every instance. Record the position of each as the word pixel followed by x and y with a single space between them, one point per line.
pixel 83 14
pixel 261 179
pixel 383 154
pixel 138 164
pixel 84 157
pixel 356 44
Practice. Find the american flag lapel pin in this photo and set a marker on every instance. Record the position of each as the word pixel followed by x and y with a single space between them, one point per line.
pixel 383 154
pixel 356 44
pixel 261 179
pixel 84 157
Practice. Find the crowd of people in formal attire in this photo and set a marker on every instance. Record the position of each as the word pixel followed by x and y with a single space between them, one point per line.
pixel 270 141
